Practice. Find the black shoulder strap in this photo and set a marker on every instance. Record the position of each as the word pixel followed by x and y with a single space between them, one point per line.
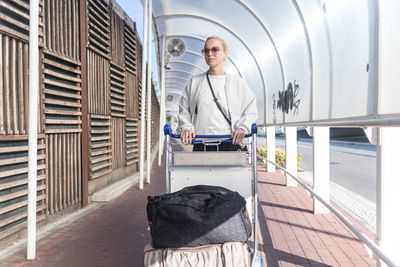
pixel 216 101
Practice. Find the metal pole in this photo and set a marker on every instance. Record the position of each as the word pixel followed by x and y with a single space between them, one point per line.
pixel 143 102
pixel 271 148
pixel 255 200
pixel 291 154
pixel 33 122
pixel 162 104
pixel 149 86
pixel 167 162
pixel 389 184
pixel 321 165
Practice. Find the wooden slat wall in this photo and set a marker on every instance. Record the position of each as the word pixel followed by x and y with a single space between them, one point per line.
pixel 155 117
pixel 132 141
pixel 132 96
pixel 14 19
pixel 61 102
pixel 117 39
pixel 13 86
pixel 113 73
pixel 99 27
pixel 62 110
pixel 130 50
pixel 63 170
pixel 14 183
pixel 98 84
pixel 61 92
pixel 117 88
pixel 61 27
pixel 100 145
pixel 118 142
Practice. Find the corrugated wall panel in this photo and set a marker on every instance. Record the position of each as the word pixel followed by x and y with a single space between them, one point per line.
pixel 61 27
pixel 62 105
pixel 117 39
pixel 117 88
pixel 132 141
pixel 14 182
pixel 98 84
pixel 99 27
pixel 130 50
pixel 13 86
pixel 118 142
pixel 100 145
pixel 63 170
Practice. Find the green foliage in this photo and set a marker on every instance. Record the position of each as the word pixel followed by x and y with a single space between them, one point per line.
pixel 280 156
pixel 172 120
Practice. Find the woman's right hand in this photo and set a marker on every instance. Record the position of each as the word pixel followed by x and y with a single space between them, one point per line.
pixel 187 136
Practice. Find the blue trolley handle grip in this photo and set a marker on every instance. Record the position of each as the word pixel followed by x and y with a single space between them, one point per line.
pixel 168 131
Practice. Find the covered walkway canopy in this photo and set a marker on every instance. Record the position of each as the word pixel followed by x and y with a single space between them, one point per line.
pixel 308 62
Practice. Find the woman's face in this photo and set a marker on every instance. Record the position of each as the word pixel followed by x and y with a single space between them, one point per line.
pixel 214 58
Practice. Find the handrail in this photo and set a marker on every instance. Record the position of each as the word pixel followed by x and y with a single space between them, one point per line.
pixel 168 131
pixel 354 228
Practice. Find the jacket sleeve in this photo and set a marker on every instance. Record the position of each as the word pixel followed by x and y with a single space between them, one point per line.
pixel 248 109
pixel 185 115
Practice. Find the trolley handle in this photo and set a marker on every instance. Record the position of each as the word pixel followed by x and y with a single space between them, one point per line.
pixel 168 131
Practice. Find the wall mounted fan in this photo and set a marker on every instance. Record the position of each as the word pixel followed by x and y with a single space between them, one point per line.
pixel 176 47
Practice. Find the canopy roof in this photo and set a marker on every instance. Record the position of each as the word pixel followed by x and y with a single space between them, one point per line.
pixel 306 61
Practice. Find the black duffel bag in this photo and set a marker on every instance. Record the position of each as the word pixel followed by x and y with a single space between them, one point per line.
pixel 198 215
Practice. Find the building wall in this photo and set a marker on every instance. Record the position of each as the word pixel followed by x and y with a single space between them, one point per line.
pixel 89 109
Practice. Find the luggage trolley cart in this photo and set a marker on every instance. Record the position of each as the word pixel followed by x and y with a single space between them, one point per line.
pixel 236 171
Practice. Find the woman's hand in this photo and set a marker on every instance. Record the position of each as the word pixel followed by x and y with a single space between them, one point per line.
pixel 187 136
pixel 237 136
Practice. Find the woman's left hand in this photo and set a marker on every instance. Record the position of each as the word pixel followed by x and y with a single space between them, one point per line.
pixel 237 136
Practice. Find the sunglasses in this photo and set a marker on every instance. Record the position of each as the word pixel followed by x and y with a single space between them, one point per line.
pixel 213 50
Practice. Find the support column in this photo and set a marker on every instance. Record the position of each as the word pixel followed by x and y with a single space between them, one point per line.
pixel 33 123
pixel 321 166
pixel 388 197
pixel 271 148
pixel 149 86
pixel 291 154
pixel 162 102
pixel 143 101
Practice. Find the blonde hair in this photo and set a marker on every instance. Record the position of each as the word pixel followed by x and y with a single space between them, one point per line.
pixel 224 45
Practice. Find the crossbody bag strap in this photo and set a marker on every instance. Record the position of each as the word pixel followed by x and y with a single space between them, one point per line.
pixel 216 101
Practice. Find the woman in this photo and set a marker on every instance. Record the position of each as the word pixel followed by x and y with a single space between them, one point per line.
pixel 215 102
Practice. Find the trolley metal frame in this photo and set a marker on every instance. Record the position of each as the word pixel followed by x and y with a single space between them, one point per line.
pixel 176 175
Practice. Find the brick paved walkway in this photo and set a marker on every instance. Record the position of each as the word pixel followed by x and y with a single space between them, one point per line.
pixel 115 233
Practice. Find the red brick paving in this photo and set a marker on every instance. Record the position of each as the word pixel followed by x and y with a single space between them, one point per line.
pixel 115 233
pixel 294 236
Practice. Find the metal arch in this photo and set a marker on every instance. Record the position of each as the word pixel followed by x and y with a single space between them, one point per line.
pixel 181 71
pixel 175 91
pixel 253 13
pixel 178 78
pixel 175 80
pixel 234 34
pixel 202 39
pixel 310 57
pixel 187 63
pixel 174 84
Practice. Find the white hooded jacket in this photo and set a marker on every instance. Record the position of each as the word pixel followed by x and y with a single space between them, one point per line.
pixel 240 99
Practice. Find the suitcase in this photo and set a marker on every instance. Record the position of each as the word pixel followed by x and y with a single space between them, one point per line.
pixel 230 254
pixel 196 216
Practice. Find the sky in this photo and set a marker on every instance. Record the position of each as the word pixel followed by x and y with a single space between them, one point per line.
pixel 134 9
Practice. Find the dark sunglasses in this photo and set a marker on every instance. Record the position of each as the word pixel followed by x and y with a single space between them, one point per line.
pixel 214 50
